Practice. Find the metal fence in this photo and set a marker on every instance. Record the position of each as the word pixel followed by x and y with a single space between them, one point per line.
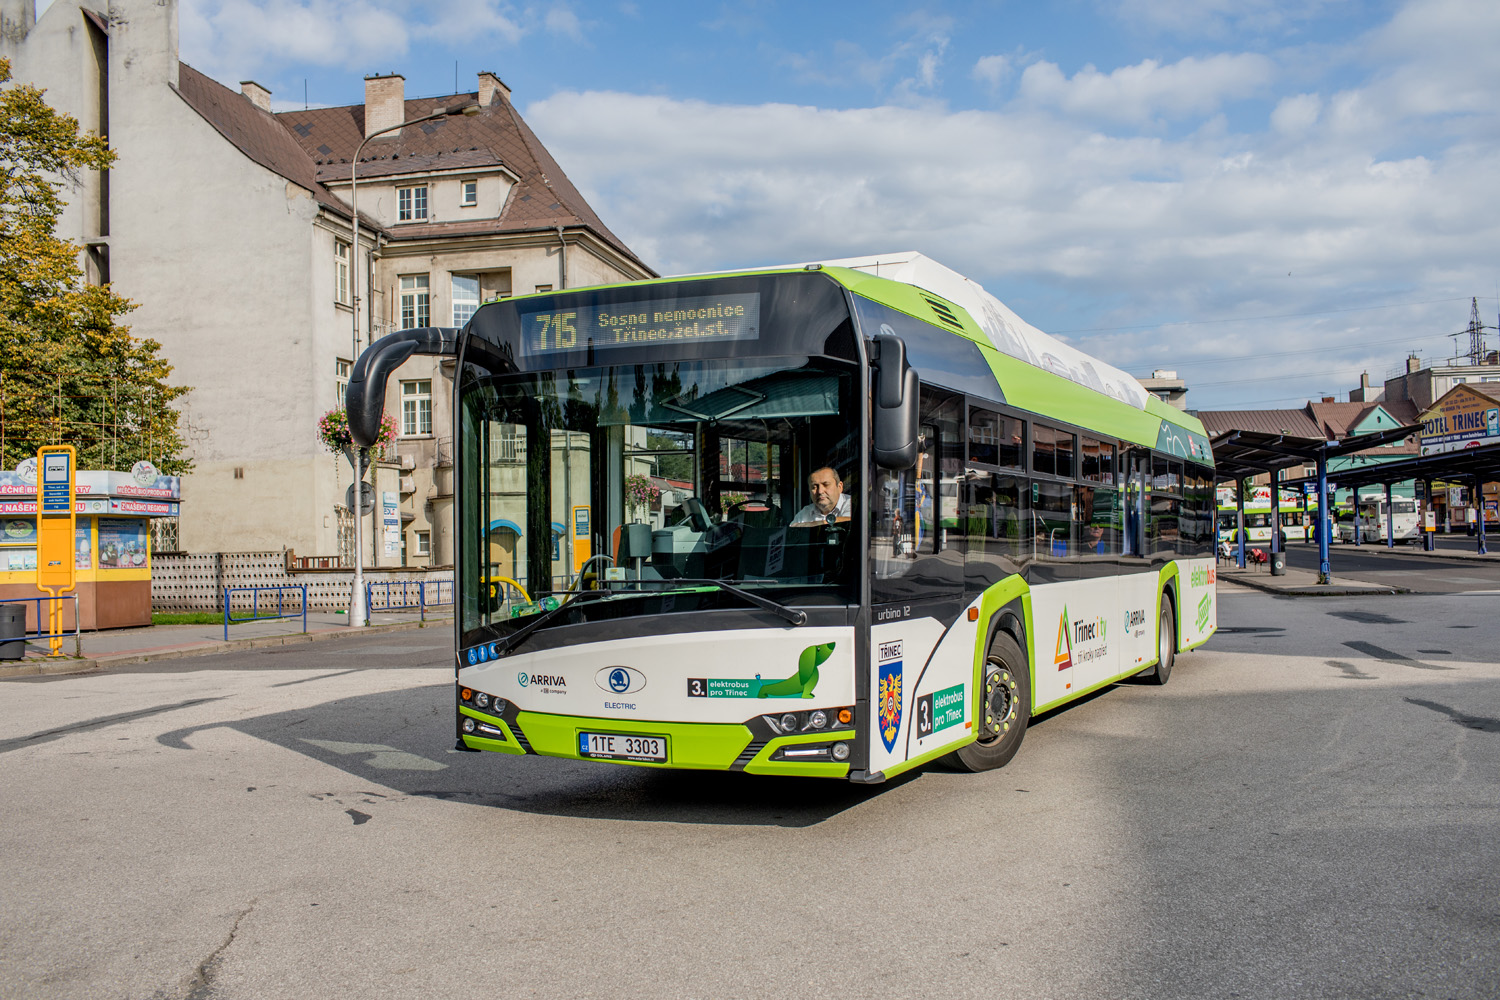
pixel 408 595
pixel 42 633
pixel 255 613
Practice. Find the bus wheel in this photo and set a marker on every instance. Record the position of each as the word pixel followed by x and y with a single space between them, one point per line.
pixel 1166 644
pixel 1005 710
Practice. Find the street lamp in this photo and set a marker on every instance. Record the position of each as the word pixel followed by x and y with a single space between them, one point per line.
pixel 358 613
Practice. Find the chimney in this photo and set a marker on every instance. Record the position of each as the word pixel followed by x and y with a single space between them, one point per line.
pixel 489 86
pixel 256 94
pixel 1329 399
pixel 1413 364
pixel 385 103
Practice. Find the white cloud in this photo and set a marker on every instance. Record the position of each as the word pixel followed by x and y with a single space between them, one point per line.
pixel 1210 225
pixel 234 39
pixel 1149 89
pixel 992 70
pixel 1295 115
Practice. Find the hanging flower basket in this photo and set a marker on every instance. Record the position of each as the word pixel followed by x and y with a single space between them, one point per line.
pixel 640 495
pixel 333 431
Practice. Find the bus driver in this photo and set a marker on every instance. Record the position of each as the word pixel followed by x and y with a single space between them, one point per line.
pixel 829 499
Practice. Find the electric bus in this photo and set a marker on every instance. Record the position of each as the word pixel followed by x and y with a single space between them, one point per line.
pixel 1259 515
pixel 1017 524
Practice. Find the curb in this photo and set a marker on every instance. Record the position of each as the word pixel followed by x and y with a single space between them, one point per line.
pixel 51 666
pixel 1397 553
pixel 1318 590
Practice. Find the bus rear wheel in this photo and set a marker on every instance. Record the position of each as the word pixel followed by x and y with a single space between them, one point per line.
pixel 1003 711
pixel 1166 644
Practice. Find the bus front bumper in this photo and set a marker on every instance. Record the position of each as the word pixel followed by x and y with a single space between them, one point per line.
pixel 697 745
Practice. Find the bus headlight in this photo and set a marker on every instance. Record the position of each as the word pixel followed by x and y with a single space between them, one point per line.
pixel 817 720
pixel 841 751
pixel 789 722
pixel 468 724
pixel 482 700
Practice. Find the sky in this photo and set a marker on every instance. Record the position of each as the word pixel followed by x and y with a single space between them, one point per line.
pixel 1267 197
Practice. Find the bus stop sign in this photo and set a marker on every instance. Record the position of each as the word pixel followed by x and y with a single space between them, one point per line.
pixel 56 569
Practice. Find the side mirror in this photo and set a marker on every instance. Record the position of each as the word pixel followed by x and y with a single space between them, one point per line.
pixel 896 393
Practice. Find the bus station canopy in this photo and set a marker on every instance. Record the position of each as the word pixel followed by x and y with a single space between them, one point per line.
pixel 1239 454
pixel 1464 465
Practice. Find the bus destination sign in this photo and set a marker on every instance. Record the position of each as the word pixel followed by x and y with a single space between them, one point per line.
pixel 641 324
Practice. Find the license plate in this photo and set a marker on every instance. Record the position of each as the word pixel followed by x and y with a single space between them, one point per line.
pixel 617 746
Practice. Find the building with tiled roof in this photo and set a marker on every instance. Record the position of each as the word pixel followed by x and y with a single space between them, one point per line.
pixel 231 226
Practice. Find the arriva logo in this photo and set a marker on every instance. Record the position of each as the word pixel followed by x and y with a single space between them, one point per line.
pixel 523 679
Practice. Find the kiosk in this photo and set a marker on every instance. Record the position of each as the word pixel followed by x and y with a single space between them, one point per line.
pixel 112 542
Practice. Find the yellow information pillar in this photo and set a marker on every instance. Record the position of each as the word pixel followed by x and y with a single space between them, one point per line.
pixel 56 522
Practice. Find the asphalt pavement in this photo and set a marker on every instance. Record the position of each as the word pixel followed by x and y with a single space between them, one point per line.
pixel 1308 809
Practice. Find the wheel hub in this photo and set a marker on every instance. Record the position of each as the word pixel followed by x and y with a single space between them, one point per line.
pixel 999 703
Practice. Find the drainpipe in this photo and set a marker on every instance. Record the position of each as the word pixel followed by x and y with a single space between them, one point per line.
pixel 562 260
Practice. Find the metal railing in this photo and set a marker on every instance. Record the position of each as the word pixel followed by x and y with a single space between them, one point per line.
pixel 396 595
pixel 255 613
pixel 54 637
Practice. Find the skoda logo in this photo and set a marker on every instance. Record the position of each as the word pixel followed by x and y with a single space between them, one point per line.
pixel 523 678
pixel 620 680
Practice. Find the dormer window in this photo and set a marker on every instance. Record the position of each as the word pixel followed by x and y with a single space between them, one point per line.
pixel 470 194
pixel 411 204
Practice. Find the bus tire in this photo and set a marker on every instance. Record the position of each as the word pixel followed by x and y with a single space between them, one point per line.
pixel 1166 644
pixel 1005 710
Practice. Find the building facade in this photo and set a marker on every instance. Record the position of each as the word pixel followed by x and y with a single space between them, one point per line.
pixel 231 227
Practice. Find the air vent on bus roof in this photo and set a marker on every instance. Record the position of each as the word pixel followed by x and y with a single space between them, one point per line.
pixel 943 312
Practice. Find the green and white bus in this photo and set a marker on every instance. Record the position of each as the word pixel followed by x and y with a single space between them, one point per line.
pixel 638 577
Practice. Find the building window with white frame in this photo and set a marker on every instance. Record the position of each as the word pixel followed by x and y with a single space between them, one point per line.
pixel 416 302
pixel 416 407
pixel 544 288
pixel 341 272
pixel 470 193
pixel 341 379
pixel 465 297
pixel 424 543
pixel 411 203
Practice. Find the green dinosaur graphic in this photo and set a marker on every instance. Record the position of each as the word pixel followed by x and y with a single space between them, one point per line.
pixel 804 680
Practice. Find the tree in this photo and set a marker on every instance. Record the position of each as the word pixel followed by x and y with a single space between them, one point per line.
pixel 70 373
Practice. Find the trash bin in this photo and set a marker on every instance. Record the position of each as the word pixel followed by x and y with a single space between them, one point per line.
pixel 12 631
pixel 1278 564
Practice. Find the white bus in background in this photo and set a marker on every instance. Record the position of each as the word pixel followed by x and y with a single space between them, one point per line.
pixel 1405 522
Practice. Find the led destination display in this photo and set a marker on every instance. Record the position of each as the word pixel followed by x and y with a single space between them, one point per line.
pixel 641 324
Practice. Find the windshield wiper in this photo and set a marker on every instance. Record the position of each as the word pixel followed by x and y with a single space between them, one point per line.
pixel 513 640
pixel 791 615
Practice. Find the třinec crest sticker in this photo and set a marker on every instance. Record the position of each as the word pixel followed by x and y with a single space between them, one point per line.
pixel 889 714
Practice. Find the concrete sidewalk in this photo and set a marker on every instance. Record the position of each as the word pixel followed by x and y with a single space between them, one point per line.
pixel 1298 582
pixel 112 647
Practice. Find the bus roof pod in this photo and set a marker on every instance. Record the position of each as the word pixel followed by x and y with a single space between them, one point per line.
pixel 1009 333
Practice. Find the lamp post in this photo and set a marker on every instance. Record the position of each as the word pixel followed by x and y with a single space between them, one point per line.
pixel 358 612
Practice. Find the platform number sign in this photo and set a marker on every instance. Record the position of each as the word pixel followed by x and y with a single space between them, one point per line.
pixel 924 716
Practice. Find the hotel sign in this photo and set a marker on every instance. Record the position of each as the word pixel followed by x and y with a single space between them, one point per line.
pixel 1462 419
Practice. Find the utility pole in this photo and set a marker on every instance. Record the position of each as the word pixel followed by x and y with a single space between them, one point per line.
pixel 1476 334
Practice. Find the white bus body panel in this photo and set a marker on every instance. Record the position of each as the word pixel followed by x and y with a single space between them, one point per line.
pixel 575 680
pixel 933 666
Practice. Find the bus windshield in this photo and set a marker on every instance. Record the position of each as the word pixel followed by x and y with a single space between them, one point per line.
pixel 626 478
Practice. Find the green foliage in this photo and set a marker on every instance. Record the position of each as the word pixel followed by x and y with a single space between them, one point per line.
pixel 69 372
